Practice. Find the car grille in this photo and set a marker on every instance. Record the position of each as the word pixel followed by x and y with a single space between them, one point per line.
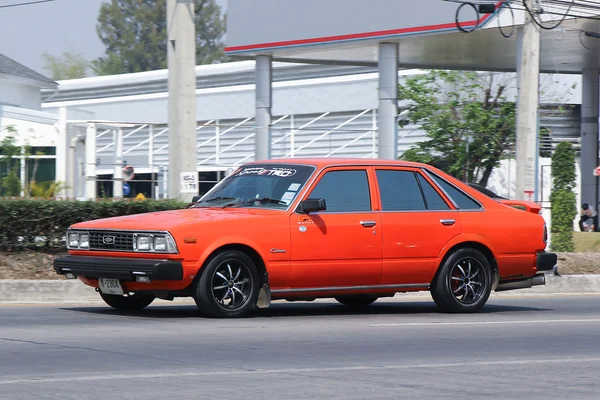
pixel 107 240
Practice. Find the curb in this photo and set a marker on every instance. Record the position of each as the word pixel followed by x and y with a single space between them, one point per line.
pixel 74 291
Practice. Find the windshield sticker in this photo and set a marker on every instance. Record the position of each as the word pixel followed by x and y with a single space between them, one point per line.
pixel 279 172
pixel 294 187
pixel 288 197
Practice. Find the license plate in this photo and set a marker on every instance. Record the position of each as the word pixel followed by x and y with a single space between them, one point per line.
pixel 110 286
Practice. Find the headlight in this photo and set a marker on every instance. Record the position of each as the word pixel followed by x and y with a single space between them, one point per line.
pixel 78 240
pixel 154 242
pixel 121 241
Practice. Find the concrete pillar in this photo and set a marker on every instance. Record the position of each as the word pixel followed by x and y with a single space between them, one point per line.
pixel 264 100
pixel 528 82
pixel 182 99
pixel 90 162
pixel 118 171
pixel 62 152
pixel 388 101
pixel 589 135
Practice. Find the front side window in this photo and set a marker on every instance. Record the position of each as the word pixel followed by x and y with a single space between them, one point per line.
pixel 344 191
pixel 399 191
pixel 268 186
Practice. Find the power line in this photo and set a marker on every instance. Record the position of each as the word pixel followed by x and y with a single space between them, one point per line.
pixel 25 4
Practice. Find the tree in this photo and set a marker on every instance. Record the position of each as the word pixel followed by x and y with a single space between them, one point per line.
pixel 134 33
pixel 460 110
pixel 68 66
pixel 10 184
pixel 563 199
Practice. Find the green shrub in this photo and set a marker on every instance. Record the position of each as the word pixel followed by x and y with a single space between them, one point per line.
pixel 563 211
pixel 563 199
pixel 24 221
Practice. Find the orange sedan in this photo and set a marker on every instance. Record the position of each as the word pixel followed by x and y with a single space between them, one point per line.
pixel 301 229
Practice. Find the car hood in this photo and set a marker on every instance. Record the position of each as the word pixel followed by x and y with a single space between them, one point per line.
pixel 169 220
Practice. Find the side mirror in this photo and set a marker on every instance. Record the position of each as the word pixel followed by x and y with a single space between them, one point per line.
pixel 312 205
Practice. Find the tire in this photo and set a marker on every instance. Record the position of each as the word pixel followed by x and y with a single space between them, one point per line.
pixel 135 301
pixel 218 295
pixel 360 300
pixel 465 266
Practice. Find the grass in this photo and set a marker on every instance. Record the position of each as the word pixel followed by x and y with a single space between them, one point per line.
pixel 587 242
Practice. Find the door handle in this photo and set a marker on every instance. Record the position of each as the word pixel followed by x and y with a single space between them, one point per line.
pixel 447 221
pixel 368 224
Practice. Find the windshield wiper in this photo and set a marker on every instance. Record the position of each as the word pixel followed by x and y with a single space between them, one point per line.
pixel 250 201
pixel 219 198
pixel 270 200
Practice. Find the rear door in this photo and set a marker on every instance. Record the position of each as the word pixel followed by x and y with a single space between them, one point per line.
pixel 417 223
pixel 341 246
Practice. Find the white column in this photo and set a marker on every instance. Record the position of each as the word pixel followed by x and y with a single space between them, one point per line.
pixel 23 172
pixel 589 135
pixel 62 150
pixel 528 71
pixel 264 94
pixel 90 162
pixel 388 101
pixel 182 95
pixel 118 171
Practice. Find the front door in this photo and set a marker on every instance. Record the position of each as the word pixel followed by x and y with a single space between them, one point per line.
pixel 417 224
pixel 341 246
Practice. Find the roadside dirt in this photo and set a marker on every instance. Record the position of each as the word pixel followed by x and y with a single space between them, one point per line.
pixel 33 265
pixel 27 265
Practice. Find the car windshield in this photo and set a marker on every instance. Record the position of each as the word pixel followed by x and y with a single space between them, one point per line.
pixel 268 186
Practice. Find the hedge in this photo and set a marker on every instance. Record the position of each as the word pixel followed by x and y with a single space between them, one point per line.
pixel 42 224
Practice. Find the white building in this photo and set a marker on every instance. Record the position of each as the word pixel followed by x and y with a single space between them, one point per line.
pixel 20 108
pixel 318 110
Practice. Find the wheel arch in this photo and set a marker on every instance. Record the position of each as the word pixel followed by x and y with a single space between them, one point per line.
pixel 474 244
pixel 244 248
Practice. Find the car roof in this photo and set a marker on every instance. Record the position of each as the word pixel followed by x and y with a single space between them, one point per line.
pixel 321 162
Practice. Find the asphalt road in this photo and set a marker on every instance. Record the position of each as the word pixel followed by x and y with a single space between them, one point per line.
pixel 534 348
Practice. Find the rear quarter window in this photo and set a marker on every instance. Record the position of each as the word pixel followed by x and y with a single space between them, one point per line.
pixel 462 200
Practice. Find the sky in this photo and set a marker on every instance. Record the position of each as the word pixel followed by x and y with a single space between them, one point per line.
pixel 26 32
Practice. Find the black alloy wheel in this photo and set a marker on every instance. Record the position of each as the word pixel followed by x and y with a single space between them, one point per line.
pixel 228 285
pixel 464 282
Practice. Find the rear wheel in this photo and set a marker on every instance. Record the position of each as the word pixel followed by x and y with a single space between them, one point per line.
pixel 129 301
pixel 361 300
pixel 464 282
pixel 228 286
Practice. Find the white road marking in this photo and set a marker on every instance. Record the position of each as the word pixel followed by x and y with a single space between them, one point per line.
pixel 461 364
pixel 525 322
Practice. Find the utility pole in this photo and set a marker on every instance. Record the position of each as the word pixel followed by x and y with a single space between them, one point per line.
pixel 183 173
pixel 528 75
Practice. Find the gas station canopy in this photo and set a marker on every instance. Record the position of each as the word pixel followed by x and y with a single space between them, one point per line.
pixel 427 32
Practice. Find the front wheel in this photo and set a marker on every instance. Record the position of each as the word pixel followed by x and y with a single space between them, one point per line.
pixel 228 286
pixel 129 301
pixel 464 282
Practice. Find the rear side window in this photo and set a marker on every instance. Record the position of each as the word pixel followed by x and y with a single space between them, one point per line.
pixel 463 201
pixel 433 199
pixel 399 191
pixel 344 191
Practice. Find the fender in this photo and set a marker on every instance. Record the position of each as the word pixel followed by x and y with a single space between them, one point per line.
pixel 461 238
pixel 229 240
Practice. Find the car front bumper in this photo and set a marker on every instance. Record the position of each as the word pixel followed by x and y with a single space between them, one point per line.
pixel 125 269
pixel 546 261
